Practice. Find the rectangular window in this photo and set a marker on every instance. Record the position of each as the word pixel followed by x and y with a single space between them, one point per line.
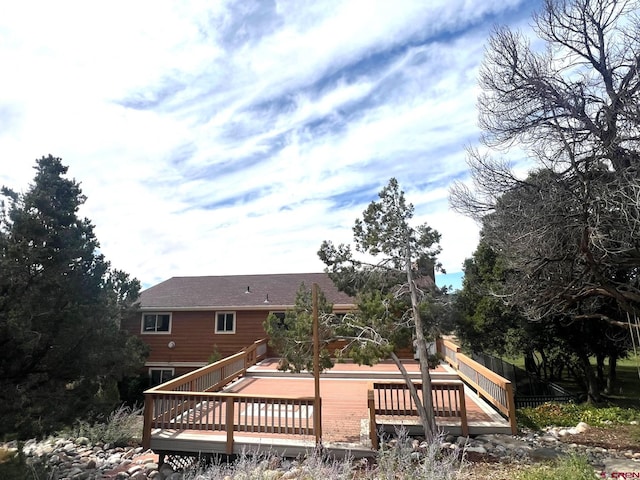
pixel 156 323
pixel 280 316
pixel 160 375
pixel 225 322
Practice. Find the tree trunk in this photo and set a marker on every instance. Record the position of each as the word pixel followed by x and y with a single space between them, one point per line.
pixel 545 365
pixel 423 413
pixel 611 377
pixel 529 363
pixel 593 392
pixel 427 416
pixel 600 368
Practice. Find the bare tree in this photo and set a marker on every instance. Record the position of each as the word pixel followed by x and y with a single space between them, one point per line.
pixel 579 95
pixel 570 229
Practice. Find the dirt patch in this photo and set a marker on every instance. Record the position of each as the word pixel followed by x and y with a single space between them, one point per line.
pixel 618 437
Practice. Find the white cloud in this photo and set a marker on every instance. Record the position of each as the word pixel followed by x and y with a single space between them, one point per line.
pixel 233 137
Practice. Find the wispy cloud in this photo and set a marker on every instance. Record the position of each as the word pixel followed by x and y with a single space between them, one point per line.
pixel 233 137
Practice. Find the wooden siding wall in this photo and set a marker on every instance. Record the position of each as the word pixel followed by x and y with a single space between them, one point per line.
pixel 195 338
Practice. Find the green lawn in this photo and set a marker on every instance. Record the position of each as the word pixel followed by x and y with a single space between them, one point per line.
pixel 627 391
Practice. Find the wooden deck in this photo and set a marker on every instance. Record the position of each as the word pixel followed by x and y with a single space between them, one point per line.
pixel 345 412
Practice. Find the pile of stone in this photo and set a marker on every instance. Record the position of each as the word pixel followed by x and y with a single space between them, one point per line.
pixel 78 459
pixel 546 445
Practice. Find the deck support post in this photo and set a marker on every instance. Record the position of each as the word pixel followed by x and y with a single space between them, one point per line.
pixel 464 425
pixel 373 429
pixel 511 405
pixel 229 425
pixel 147 420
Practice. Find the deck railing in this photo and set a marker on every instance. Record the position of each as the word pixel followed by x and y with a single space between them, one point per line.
pixel 209 378
pixel 229 413
pixel 393 399
pixel 214 376
pixel 491 386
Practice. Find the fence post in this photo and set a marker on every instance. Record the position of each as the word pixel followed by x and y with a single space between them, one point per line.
pixel 229 425
pixel 318 422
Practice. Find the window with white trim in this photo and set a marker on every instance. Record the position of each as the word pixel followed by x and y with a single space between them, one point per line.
pixel 156 323
pixel 160 375
pixel 225 322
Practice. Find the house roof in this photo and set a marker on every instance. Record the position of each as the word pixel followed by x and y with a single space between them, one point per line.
pixel 266 292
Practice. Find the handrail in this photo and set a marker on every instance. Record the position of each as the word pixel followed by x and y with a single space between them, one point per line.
pixel 228 412
pixel 494 388
pixel 393 399
pixel 209 378
pixel 448 350
pixel 216 375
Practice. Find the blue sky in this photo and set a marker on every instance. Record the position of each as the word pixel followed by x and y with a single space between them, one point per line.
pixel 233 137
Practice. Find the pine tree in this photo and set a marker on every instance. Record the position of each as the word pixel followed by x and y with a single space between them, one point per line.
pixel 61 348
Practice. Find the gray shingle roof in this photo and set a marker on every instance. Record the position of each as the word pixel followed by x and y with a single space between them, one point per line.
pixel 237 291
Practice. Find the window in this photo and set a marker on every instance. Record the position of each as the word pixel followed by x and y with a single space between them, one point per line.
pixel 225 322
pixel 280 316
pixel 160 375
pixel 156 323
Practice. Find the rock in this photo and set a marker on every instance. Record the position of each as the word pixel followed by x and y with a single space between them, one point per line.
pixel 82 441
pixel 582 427
pixel 543 454
pixel 69 447
pixel 74 471
pixel 478 449
pixel 134 469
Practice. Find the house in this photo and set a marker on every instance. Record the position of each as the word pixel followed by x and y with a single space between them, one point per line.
pixel 243 401
pixel 190 321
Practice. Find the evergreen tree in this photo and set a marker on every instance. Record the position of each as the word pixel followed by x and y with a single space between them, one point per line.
pixel 391 274
pixel 61 347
